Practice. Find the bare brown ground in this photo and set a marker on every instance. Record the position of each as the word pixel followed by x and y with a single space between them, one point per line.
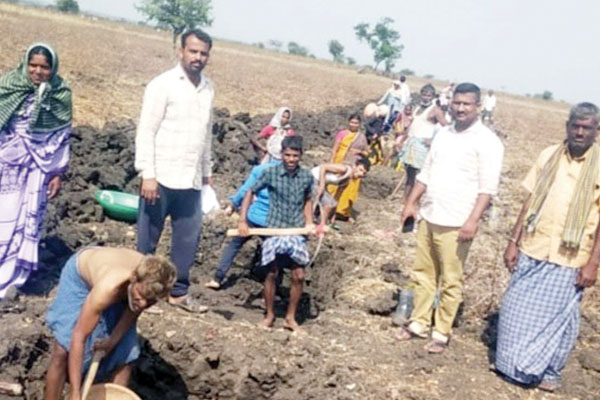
pixel 348 352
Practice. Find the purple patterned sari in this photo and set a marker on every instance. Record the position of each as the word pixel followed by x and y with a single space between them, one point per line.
pixel 27 163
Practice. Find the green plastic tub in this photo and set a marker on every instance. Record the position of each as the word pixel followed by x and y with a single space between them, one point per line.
pixel 118 205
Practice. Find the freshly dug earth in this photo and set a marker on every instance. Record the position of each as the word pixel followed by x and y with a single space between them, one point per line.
pixel 348 351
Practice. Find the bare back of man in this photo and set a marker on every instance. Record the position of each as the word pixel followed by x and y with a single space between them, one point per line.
pixel 110 268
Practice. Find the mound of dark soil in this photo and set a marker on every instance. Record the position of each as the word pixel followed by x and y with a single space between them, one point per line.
pixel 104 159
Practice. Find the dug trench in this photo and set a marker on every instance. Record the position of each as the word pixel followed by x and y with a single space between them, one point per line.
pixel 348 350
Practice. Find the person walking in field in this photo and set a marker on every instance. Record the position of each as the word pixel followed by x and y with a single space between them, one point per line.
pixel 392 97
pixel 489 104
pixel 425 117
pixel 553 255
pixel 404 93
pixel 290 189
pixel 173 157
pixel 101 293
pixel 35 132
pixel 455 186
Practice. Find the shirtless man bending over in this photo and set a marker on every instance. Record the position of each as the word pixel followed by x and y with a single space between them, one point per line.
pixel 101 293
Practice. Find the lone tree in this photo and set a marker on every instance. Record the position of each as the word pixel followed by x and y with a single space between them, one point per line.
pixel 383 40
pixel 295 48
pixel 177 15
pixel 337 51
pixel 68 6
pixel 546 95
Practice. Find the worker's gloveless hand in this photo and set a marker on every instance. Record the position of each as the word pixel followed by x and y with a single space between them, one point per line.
pixel 511 255
pixel 467 231
pixel 53 187
pixel 587 275
pixel 149 190
pixel 243 228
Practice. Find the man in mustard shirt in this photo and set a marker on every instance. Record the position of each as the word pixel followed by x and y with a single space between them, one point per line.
pixel 553 254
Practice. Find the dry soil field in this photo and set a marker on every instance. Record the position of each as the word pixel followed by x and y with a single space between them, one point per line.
pixel 348 351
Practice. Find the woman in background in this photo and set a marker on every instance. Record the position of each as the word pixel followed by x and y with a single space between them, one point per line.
pixel 349 145
pixel 272 134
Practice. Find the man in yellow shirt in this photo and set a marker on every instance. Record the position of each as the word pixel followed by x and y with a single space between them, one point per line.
pixel 553 254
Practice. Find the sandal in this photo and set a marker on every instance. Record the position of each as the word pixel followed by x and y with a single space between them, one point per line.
pixel 190 305
pixel 436 346
pixel 549 386
pixel 404 334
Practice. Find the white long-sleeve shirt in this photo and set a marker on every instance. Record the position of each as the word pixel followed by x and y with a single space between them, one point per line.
pixel 174 136
pixel 459 167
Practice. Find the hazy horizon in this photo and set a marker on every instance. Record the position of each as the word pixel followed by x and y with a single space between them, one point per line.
pixel 513 46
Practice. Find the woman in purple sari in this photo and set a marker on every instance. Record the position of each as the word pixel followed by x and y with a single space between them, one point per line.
pixel 35 127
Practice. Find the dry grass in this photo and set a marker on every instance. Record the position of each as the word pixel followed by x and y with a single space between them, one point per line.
pixel 108 65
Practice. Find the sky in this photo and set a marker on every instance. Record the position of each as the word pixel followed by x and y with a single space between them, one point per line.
pixel 523 47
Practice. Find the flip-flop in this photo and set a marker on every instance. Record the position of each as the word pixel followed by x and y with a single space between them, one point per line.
pixel 436 346
pixel 547 386
pixel 190 305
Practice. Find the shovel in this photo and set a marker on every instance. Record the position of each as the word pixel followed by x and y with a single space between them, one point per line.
pixel 89 379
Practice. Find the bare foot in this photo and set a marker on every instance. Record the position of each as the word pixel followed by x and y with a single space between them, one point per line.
pixel 188 304
pixel 267 323
pixel 292 325
pixel 213 285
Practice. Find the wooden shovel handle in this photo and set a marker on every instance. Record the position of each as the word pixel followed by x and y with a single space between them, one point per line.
pixel 276 231
pixel 271 231
pixel 89 379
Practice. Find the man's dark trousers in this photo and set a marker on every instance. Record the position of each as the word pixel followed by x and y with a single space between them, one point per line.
pixel 185 208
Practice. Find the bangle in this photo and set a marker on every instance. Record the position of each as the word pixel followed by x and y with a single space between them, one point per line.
pixel 514 240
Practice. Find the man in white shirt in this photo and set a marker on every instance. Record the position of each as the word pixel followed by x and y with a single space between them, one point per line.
pixel 173 156
pixel 459 178
pixel 489 103
pixel 404 92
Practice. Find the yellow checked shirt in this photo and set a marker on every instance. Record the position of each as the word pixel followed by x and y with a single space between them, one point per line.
pixel 545 242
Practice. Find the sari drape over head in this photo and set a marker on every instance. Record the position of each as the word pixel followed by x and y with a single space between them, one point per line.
pixel 35 127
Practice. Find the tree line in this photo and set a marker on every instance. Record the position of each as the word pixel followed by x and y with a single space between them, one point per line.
pixel 178 15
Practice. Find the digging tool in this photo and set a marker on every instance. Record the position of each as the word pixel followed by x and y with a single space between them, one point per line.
pixel 397 188
pixel 89 379
pixel 274 231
